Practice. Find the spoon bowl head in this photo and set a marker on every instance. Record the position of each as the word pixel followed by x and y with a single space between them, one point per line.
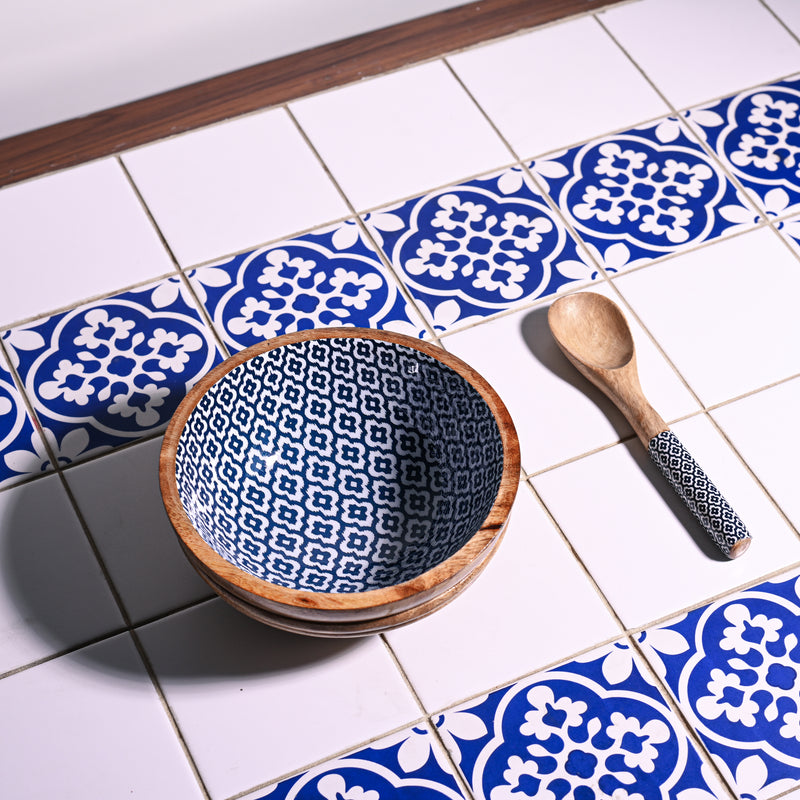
pixel 591 330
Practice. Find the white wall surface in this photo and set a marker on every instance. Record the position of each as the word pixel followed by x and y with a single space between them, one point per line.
pixel 63 59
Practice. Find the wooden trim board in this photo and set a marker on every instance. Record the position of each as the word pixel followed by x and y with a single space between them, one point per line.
pixel 133 124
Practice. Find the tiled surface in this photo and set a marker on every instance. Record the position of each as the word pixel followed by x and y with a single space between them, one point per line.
pixel 537 116
pixel 54 596
pixel 416 129
pixel 118 497
pixel 74 235
pixel 595 725
pixel 472 250
pixel 533 567
pixel 732 668
pixel 451 200
pixel 330 276
pixel 228 187
pixel 96 706
pixel 275 698
pixel 726 45
pixel 411 762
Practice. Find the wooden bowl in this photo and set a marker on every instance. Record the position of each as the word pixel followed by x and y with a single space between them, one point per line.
pixel 340 481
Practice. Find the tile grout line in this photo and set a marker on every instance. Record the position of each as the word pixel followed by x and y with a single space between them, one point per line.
pixel 524 165
pixel 67 651
pixel 706 410
pixel 780 21
pixel 185 282
pixel 181 272
pixel 364 229
pixel 85 301
pixel 786 570
pixel 689 730
pixel 538 670
pixel 130 630
pixel 38 428
pixel 171 716
pixel 104 637
pixel 429 719
pixel 339 754
pixel 576 556
pixel 634 63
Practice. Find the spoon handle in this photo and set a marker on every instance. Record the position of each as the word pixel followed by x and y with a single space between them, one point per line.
pixel 699 494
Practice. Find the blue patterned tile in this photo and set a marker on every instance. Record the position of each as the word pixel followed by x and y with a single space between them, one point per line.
pixel 469 251
pixel 326 278
pixel 643 194
pixel 593 728
pixel 734 669
pixel 756 134
pixel 112 371
pixel 408 764
pixel 790 230
pixel 22 451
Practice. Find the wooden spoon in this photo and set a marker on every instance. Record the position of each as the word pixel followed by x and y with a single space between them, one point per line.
pixel 593 334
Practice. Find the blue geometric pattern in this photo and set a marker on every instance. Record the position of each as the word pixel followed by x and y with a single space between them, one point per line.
pixel 643 194
pixel 410 764
pixel 339 465
pixel 697 491
pixel 325 278
pixel 734 668
pixel 756 134
pixel 593 728
pixel 112 371
pixel 22 453
pixel 469 251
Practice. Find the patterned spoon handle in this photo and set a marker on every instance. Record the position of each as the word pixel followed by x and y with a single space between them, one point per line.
pixel 699 494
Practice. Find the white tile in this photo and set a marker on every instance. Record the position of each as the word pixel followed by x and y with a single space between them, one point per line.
pixel 558 413
pixel 511 80
pixel 120 500
pixel 531 606
pixel 90 725
pixel 53 595
pixel 400 134
pixel 648 554
pixel 254 703
pixel 73 235
pixel 726 315
pixel 763 428
pixel 789 13
pixel 696 50
pixel 234 185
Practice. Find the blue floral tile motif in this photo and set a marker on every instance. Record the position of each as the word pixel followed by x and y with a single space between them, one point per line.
pixel 22 452
pixel 643 194
pixel 592 729
pixel 410 764
pixel 112 371
pixel 757 135
pixel 330 277
pixel 734 668
pixel 790 231
pixel 469 251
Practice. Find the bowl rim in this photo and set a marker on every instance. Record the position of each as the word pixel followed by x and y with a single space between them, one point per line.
pixel 422 585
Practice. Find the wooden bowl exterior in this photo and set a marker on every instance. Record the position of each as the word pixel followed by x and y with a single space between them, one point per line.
pixel 351 607
pixel 342 629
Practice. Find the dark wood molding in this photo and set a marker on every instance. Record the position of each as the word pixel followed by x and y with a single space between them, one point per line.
pixel 120 128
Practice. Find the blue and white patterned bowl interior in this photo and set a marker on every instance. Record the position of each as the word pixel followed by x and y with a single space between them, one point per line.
pixel 339 465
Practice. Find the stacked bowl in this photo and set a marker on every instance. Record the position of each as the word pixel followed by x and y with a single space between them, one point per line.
pixel 340 481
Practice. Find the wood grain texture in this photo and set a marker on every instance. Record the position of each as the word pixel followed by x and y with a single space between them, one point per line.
pixel 316 609
pixel 269 84
pixel 349 630
pixel 593 334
